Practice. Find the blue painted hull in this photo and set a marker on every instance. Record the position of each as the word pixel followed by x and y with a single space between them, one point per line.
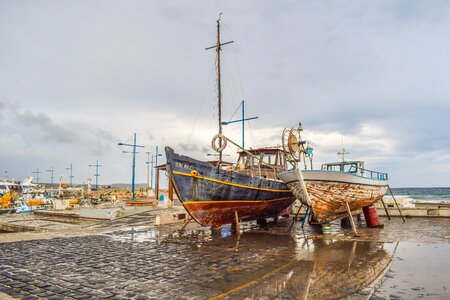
pixel 212 196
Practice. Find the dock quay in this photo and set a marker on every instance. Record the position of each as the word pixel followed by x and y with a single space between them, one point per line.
pixel 132 257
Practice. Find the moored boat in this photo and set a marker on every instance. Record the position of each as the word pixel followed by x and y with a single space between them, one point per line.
pixel 337 189
pixel 216 193
pixel 214 196
pixel 330 189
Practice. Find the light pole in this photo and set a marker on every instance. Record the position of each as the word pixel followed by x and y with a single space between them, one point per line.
pixel 51 177
pixel 37 172
pixel 148 163
pixel 70 176
pixel 96 173
pixel 156 162
pixel 134 162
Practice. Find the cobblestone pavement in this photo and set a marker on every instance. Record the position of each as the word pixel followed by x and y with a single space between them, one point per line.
pixel 131 264
pixel 196 264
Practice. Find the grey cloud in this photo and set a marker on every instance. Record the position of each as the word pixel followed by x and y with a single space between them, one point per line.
pixel 194 148
pixel 48 128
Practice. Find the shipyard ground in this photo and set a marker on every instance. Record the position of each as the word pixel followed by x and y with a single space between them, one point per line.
pixel 131 258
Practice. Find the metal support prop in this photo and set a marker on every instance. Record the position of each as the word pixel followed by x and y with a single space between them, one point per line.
pixel 385 209
pixel 304 218
pixel 395 201
pixel 351 219
pixel 295 217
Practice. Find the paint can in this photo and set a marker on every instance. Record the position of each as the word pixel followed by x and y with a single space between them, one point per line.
pixel 326 229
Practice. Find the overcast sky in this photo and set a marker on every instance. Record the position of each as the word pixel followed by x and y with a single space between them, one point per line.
pixel 77 77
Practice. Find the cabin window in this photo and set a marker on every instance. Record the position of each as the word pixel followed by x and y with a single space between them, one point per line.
pixel 269 159
pixel 351 168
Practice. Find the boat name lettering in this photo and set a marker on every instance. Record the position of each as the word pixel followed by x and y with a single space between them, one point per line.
pixel 184 166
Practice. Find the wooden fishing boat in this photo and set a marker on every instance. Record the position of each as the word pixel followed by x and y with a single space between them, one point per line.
pixel 329 190
pixel 214 196
pixel 216 193
pixel 335 191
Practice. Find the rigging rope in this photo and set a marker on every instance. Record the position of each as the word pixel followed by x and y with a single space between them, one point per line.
pixel 235 112
pixel 227 72
pixel 200 108
pixel 236 62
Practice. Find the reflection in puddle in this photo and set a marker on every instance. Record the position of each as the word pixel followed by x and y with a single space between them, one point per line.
pixel 320 270
pixel 276 264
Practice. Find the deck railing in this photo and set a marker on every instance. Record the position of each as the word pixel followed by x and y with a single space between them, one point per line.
pixel 371 174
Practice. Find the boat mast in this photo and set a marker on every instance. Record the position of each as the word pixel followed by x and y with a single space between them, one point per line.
pixel 219 90
pixel 218 47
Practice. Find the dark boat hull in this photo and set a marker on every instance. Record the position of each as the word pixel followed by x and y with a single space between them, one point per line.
pixel 212 196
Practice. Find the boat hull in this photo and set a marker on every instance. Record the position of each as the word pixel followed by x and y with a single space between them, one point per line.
pixel 328 192
pixel 213 196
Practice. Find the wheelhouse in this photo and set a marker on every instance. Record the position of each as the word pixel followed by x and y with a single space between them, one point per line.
pixel 264 162
pixel 356 168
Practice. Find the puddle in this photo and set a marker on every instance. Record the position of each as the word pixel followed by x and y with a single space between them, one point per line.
pixel 418 270
pixel 260 264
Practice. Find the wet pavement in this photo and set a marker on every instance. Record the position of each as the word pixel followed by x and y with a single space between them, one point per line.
pixel 263 263
pixel 418 271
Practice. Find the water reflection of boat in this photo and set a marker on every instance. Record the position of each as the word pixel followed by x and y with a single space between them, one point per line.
pixel 327 271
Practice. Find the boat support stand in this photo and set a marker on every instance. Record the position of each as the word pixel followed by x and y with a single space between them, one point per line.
pixel 238 228
pixel 385 209
pixel 351 219
pixel 398 207
pixel 295 217
pixel 186 224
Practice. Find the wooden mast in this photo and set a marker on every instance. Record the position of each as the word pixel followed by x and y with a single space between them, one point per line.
pixel 218 47
pixel 219 90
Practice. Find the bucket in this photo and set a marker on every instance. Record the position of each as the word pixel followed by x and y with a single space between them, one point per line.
pixel 371 216
pixel 326 229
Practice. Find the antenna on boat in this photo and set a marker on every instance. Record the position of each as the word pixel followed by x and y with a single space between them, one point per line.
pixel 342 154
pixel 218 47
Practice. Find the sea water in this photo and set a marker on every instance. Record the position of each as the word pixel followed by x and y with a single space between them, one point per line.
pixel 424 194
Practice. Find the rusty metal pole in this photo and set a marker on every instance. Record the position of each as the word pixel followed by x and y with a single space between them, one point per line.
pixel 385 209
pixel 395 201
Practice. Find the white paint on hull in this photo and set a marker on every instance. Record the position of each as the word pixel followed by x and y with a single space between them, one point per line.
pixel 328 191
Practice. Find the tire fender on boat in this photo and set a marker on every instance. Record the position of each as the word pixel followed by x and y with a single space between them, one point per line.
pixel 220 137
